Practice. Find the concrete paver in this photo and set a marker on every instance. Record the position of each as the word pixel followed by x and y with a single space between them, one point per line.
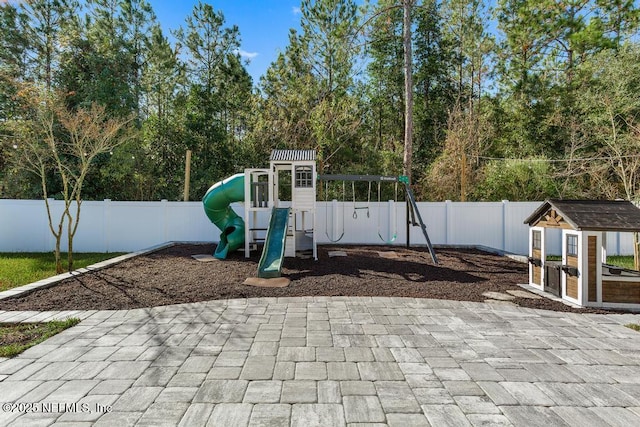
pixel 263 392
pixel 396 397
pixel 317 415
pixel 363 409
pixel 231 414
pixel 221 391
pixel 197 414
pixel 579 417
pixel 275 415
pixel 299 391
pixel 328 361
pixel 404 420
pixel 329 392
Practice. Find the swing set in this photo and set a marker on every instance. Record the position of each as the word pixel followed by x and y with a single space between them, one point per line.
pixel 413 214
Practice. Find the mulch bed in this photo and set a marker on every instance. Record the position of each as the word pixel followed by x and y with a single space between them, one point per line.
pixel 172 276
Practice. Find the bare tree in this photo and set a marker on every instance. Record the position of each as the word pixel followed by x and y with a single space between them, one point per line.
pixel 458 168
pixel 55 139
pixel 613 169
pixel 621 151
pixel 611 110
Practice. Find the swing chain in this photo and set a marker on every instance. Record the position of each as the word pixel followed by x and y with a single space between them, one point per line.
pixel 394 236
pixel 353 195
pixel 355 208
pixel 326 207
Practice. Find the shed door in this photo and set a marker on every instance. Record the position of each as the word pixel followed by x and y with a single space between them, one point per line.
pixel 536 253
pixel 571 247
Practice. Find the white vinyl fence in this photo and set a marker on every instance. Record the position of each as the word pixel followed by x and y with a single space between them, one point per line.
pixel 113 226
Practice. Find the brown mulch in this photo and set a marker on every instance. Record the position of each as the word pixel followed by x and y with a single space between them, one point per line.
pixel 172 276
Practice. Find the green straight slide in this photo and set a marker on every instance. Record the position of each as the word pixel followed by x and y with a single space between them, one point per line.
pixel 273 252
pixel 217 205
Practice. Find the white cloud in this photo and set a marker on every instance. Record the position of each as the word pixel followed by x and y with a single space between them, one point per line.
pixel 245 54
pixel 295 10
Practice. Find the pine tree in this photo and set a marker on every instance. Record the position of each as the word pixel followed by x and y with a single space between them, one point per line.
pixel 211 50
pixel 329 36
pixel 386 84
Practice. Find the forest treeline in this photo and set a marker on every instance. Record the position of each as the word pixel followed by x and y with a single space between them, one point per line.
pixel 513 99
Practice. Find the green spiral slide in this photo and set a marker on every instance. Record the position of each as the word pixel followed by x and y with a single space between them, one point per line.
pixel 217 205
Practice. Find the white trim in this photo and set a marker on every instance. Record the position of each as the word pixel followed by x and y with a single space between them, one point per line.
pixel 543 254
pixel 583 279
pixel 563 275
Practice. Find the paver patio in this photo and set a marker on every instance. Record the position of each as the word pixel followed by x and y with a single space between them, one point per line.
pixel 324 361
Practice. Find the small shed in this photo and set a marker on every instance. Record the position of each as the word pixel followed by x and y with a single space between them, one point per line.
pixel 583 277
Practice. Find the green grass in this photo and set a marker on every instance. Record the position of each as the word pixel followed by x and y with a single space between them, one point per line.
pixel 17 337
pixel 633 326
pixel 17 269
pixel 621 261
pixel 624 261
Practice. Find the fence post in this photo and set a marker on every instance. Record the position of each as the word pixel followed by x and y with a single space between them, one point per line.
pixel 334 218
pixel 165 219
pixel 447 220
pixel 504 224
pixel 106 220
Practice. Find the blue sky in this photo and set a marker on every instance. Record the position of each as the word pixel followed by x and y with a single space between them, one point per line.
pixel 264 25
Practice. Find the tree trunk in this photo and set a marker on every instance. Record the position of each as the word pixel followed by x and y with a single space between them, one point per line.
pixel 58 234
pixel 59 269
pixel 70 257
pixel 56 253
pixel 70 234
pixel 408 90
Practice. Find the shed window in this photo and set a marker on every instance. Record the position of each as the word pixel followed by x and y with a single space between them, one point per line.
pixel 537 239
pixel 304 177
pixel 572 245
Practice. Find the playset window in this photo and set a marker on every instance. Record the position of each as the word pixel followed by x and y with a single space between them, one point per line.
pixel 304 177
pixel 572 245
pixel 537 239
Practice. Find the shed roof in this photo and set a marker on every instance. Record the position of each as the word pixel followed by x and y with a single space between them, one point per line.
pixel 594 215
pixel 293 156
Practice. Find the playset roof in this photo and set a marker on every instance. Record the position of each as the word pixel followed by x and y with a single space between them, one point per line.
pixel 594 215
pixel 293 156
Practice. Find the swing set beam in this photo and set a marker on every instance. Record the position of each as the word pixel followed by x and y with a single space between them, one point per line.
pixel 366 178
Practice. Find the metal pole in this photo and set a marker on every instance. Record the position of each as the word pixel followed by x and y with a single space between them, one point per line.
pixel 407 223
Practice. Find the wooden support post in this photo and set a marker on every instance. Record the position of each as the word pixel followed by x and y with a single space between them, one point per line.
pixel 187 175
